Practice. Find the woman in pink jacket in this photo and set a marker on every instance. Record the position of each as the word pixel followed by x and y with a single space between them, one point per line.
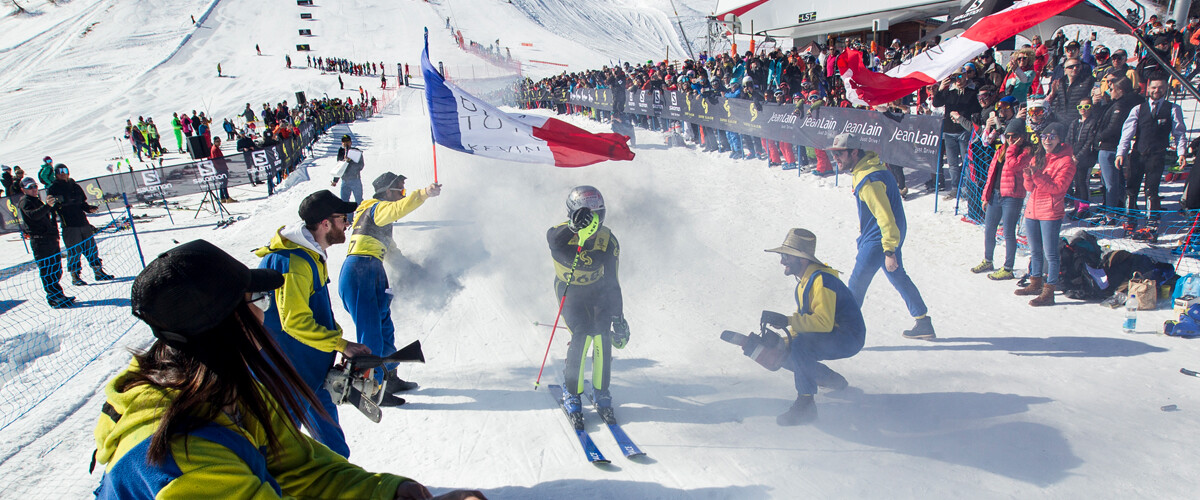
pixel 1003 196
pixel 1047 180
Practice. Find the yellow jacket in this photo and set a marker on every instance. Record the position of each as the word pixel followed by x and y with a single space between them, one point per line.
pixel 374 237
pixel 822 302
pixel 302 305
pixel 303 468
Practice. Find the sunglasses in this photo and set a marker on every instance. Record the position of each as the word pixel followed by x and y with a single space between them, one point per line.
pixel 1035 111
pixel 1073 66
pixel 1012 136
pixel 1003 105
pixel 1048 136
pixel 261 300
pixel 1084 106
pixel 338 216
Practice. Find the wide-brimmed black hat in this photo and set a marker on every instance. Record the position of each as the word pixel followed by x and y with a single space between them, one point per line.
pixel 191 288
pixel 323 204
pixel 385 181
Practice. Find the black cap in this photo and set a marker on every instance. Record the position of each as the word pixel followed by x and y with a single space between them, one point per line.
pixel 385 181
pixel 191 288
pixel 323 204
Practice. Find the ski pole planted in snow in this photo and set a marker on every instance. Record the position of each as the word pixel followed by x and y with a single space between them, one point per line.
pixel 584 234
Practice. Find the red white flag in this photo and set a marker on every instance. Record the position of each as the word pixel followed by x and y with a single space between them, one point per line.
pixel 865 87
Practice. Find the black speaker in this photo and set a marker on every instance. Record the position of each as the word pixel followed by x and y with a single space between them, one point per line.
pixel 300 100
pixel 196 147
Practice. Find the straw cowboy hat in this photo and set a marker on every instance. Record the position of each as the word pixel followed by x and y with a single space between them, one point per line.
pixel 799 243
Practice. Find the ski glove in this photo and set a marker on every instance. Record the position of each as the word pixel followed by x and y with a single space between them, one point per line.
pixel 580 219
pixel 774 319
pixel 620 330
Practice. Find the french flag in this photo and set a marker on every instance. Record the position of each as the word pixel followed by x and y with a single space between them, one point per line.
pixel 465 123
pixel 865 87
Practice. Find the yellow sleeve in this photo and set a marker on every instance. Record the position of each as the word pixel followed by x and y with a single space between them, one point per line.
pixel 823 303
pixel 388 212
pixel 303 469
pixel 294 313
pixel 308 469
pixel 874 194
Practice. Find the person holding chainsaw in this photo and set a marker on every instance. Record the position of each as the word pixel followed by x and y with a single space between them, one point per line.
pixel 300 316
pixel 201 412
pixel 586 255
pixel 827 324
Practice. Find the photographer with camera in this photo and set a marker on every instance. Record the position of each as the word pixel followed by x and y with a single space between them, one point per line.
pixel 827 324
pixel 39 225
pixel 78 235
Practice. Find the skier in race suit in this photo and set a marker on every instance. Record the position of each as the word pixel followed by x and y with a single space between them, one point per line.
pixel 593 302
pixel 827 324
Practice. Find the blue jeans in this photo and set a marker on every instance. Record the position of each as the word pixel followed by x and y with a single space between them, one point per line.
pixel 809 349
pixel 364 290
pixel 1043 248
pixel 868 262
pixel 351 187
pixel 956 147
pixel 1006 210
pixel 1114 181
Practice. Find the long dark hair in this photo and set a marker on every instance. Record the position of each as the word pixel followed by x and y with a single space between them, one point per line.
pixel 237 364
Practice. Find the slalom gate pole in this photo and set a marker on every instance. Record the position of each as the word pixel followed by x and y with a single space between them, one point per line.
pixel 1183 250
pixel 133 227
pixel 584 234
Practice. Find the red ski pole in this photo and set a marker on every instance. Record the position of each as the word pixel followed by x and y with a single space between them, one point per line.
pixel 584 234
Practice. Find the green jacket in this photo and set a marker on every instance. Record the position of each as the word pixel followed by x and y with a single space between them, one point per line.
pixel 303 468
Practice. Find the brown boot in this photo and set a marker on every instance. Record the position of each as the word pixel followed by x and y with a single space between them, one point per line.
pixel 1045 299
pixel 1034 287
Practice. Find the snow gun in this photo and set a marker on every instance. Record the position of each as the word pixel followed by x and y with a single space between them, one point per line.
pixel 768 349
pixel 351 381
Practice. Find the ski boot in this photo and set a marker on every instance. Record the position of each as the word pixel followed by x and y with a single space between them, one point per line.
pixel 103 276
pixel 803 411
pixel 574 409
pixel 77 280
pixel 604 406
pixel 396 384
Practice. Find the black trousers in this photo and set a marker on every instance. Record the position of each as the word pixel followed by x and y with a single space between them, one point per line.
pixel 48 257
pixel 588 313
pixel 1083 170
pixel 1148 166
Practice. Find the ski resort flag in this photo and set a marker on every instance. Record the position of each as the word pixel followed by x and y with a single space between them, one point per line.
pixel 865 87
pixel 464 123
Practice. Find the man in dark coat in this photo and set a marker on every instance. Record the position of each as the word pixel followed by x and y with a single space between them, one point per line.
pixel 43 238
pixel 77 234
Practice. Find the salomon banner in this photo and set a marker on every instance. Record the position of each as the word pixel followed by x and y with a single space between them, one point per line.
pixel 905 140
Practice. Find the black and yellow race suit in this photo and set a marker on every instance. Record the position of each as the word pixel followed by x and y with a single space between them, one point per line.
pixel 593 299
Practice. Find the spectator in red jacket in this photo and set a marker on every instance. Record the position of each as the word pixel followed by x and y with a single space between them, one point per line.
pixel 221 178
pixel 1047 179
pixel 1003 195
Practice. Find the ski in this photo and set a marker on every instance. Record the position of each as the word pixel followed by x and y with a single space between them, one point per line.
pixel 1186 371
pixel 589 447
pixel 627 447
pixel 364 404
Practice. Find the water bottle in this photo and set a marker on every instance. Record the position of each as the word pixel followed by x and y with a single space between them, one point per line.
pixel 1131 306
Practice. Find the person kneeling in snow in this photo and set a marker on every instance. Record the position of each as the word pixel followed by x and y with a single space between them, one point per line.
pixel 827 324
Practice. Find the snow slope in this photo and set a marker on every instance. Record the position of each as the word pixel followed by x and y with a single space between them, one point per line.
pixel 1011 401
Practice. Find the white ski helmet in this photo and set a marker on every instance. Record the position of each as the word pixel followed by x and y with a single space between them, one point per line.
pixel 586 196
